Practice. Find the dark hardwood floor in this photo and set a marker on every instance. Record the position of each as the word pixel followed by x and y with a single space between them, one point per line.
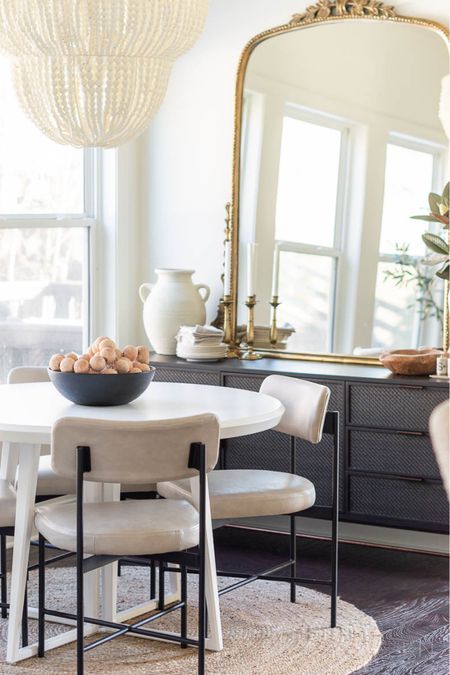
pixel 406 593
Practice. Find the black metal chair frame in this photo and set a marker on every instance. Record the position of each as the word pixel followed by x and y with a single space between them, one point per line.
pixel 331 426
pixel 197 460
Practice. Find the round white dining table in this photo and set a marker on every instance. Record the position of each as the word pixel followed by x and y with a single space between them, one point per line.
pixel 27 414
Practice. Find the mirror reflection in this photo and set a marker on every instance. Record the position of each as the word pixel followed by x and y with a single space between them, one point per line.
pixel 341 144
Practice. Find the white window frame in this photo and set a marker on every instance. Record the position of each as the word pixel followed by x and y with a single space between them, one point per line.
pixel 86 220
pixel 334 252
pixel 437 152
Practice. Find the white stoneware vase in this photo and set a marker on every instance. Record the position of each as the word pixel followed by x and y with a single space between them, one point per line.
pixel 172 302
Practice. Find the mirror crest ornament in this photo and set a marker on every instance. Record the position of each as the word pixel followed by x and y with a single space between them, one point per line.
pixel 322 12
pixel 324 9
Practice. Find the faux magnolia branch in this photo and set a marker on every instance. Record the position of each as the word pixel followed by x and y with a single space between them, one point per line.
pixel 439 213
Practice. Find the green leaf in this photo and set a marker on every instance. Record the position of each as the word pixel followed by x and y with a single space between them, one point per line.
pixel 446 194
pixel 434 200
pixel 430 219
pixel 435 243
pixel 443 273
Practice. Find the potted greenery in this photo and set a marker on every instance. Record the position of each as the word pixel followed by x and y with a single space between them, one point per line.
pixel 439 213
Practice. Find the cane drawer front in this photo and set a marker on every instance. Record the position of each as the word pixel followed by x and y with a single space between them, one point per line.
pixel 402 407
pixel 400 500
pixel 401 453
pixel 268 450
pixel 248 382
pixel 186 376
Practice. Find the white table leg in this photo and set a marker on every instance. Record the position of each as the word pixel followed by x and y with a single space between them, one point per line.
pixel 214 641
pixel 9 460
pixel 26 491
pixel 111 492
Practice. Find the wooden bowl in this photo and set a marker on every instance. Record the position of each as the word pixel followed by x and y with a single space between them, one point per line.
pixel 101 390
pixel 411 361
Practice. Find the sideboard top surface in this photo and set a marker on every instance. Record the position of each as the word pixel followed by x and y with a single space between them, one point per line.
pixel 314 369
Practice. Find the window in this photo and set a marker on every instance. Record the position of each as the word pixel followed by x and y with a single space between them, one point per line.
pixel 308 225
pixel 46 216
pixel 400 296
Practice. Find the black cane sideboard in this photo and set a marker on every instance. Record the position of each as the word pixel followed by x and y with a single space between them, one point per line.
pixel 389 476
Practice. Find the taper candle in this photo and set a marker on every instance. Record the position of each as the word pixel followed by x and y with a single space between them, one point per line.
pixel 227 274
pixel 276 269
pixel 251 268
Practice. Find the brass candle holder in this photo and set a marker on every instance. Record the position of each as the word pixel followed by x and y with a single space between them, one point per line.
pixel 249 354
pixel 273 333
pixel 232 350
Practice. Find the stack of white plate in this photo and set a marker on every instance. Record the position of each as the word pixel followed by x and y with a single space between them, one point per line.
pixel 200 343
pixel 202 352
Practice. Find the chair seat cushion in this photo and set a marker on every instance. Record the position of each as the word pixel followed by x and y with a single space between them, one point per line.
pixel 49 483
pixel 122 528
pixel 7 504
pixel 243 493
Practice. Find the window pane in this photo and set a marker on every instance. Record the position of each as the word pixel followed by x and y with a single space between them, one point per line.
pixel 307 183
pixel 41 294
pixel 408 180
pixel 306 286
pixel 37 176
pixel 394 316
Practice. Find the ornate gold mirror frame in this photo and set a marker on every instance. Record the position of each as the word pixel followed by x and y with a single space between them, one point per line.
pixel 323 11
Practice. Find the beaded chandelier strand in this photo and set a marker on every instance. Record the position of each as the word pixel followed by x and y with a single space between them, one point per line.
pixel 94 72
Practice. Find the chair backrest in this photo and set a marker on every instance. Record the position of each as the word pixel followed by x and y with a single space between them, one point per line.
pixel 24 374
pixel 305 405
pixel 134 452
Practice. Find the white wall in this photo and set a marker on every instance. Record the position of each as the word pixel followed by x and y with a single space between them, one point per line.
pixel 184 160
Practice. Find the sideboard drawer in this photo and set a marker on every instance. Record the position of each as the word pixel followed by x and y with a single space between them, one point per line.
pixel 402 407
pixel 392 452
pixel 187 376
pixel 249 382
pixel 404 500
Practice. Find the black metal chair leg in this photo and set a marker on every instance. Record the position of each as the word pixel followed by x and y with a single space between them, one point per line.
pixel 80 613
pixel 25 616
pixel 161 599
pixel 293 553
pixel 152 580
pixel 41 601
pixel 3 588
pixel 184 601
pixel 334 523
pixel 202 566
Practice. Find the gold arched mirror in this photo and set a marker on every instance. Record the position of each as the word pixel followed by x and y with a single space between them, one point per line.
pixel 337 144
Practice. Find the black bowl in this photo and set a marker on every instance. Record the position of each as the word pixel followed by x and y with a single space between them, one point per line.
pixel 100 390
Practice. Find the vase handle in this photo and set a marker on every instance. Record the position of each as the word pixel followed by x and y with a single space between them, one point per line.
pixel 207 290
pixel 144 291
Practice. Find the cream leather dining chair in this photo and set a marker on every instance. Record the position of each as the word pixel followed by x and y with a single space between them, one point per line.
pixel 251 493
pixel 139 452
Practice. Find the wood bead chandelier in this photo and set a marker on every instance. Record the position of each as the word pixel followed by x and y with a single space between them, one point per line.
pixel 92 73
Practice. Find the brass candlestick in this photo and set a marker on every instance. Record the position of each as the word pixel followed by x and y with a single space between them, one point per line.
pixel 249 354
pixel 273 333
pixel 232 350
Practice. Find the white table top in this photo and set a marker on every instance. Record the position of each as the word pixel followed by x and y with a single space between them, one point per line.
pixel 28 411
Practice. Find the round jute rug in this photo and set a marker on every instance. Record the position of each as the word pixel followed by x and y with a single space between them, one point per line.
pixel 264 634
